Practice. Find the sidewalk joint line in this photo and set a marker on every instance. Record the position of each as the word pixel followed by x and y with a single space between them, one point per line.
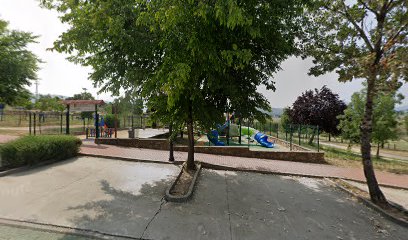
pixel 228 207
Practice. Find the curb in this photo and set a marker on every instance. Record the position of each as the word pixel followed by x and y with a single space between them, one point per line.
pixel 29 167
pixel 369 204
pixel 381 184
pixel 129 159
pixel 172 198
pixel 57 229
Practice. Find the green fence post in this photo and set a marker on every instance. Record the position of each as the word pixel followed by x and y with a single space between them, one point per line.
pixel 318 140
pixel 290 136
pixel 29 123
pixel 96 122
pixel 132 122
pixel 299 130
pixel 67 121
pixel 34 122
pixel 248 133
pixel 239 139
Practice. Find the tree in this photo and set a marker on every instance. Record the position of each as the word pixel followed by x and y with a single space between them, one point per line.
pixel 24 100
pixel 49 103
pixel 18 66
pixel 361 39
pixel 285 119
pixel 406 122
pixel 82 96
pixel 205 57
pixel 351 120
pixel 318 108
pixel 130 103
pixel 384 119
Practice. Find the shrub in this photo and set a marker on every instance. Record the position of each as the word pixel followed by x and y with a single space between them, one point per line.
pixel 34 149
pixel 110 120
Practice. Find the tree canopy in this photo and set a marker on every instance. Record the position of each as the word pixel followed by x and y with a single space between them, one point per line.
pixel 82 96
pixel 361 39
pixel 18 65
pixel 200 59
pixel 318 108
pixel 384 118
pixel 49 103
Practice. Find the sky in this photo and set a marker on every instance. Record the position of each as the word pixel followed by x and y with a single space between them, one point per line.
pixel 60 77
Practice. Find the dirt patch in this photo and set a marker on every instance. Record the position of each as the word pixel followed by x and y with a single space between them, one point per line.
pixel 182 185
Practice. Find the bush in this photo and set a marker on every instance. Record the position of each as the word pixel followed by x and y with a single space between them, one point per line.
pixel 34 149
pixel 110 120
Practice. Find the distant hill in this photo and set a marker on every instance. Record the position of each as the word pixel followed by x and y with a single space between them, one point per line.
pixel 277 112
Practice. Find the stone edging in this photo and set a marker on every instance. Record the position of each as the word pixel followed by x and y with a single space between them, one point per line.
pixel 368 203
pixel 58 229
pixel 28 167
pixel 172 198
pixel 129 159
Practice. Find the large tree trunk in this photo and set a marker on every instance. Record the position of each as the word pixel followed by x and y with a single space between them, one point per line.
pixel 190 158
pixel 171 148
pixel 366 129
pixel 312 136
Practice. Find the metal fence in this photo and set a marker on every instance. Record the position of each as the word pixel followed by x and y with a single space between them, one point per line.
pixel 293 134
pixel 25 122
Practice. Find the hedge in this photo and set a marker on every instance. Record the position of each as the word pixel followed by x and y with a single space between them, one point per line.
pixel 34 149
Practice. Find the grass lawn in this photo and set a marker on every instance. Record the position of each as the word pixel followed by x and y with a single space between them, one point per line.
pixel 346 158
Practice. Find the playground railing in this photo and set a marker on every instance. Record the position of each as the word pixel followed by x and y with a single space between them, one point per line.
pixel 103 132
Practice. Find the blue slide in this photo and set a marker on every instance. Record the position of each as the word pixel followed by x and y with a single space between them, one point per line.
pixel 263 140
pixel 213 137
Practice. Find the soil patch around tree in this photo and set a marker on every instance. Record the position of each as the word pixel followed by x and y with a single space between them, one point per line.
pixel 182 188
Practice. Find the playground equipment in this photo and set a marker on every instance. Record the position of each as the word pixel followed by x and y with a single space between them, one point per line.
pixel 234 132
pixel 213 138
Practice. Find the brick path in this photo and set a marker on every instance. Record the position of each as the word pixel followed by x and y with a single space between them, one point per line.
pixel 248 164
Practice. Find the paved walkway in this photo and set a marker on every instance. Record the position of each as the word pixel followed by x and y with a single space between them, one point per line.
pixel 117 198
pixel 248 164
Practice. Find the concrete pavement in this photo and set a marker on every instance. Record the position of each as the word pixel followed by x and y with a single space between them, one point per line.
pixel 12 233
pixel 126 199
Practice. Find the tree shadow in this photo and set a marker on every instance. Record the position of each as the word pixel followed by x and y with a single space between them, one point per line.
pixel 39 168
pixel 123 213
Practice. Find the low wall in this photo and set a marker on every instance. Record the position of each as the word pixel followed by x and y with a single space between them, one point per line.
pixel 150 143
pixel 237 151
pixel 295 147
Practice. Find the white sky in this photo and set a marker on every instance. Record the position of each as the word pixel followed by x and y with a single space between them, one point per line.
pixel 59 76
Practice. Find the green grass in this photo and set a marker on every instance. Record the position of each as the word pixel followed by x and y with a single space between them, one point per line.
pixel 346 158
pixel 29 150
